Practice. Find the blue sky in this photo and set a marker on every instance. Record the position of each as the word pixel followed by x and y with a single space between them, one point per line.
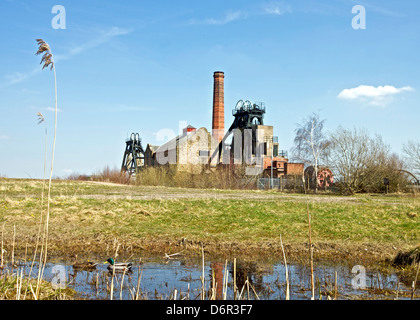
pixel 143 66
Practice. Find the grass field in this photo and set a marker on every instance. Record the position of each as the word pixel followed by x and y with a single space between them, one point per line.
pixel 92 217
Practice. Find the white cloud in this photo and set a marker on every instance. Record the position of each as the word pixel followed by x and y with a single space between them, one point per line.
pixel 378 96
pixel 3 137
pixel 124 107
pixel 270 8
pixel 381 10
pixel 277 8
pixel 228 17
pixel 19 77
pixel 104 37
pixel 53 109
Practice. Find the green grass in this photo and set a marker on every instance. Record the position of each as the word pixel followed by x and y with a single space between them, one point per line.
pixel 98 212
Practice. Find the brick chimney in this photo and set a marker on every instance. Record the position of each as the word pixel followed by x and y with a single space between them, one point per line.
pixel 218 125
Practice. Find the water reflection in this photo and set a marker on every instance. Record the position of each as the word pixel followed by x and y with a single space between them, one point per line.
pixel 157 278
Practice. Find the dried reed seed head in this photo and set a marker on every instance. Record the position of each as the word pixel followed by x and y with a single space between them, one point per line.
pixel 40 117
pixel 47 58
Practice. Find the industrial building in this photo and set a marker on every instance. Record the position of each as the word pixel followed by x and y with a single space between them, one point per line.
pixel 248 142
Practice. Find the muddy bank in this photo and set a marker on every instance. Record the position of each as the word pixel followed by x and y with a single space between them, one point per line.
pixel 366 254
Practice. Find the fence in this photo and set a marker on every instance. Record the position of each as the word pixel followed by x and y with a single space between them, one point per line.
pixel 284 182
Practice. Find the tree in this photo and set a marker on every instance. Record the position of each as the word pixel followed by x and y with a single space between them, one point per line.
pixel 310 142
pixel 411 152
pixel 361 162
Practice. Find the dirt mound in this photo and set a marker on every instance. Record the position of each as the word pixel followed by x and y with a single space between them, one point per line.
pixel 407 258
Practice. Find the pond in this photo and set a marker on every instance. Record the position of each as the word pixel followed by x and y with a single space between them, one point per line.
pixel 157 278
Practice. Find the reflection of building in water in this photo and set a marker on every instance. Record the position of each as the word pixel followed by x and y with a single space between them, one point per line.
pixel 253 272
pixel 250 272
pixel 217 271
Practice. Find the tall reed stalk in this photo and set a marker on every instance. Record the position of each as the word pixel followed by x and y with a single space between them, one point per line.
pixel 2 245
pixel 113 272
pixel 415 281
pixel 203 288
pixel 13 246
pixel 41 119
pixel 140 272
pixel 335 286
pixel 311 252
pixel 287 272
pixel 234 279
pixel 48 60
pixel 225 282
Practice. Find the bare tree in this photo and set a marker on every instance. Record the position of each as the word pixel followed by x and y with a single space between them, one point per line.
pixel 411 152
pixel 310 142
pixel 361 162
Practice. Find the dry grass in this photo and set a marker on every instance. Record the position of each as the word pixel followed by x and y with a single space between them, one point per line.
pixel 170 177
pixel 89 216
pixel 16 286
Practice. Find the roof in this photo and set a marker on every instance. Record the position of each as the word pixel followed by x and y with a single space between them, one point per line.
pixel 172 144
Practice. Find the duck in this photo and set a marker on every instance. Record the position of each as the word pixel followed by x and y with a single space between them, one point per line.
pixel 83 265
pixel 121 266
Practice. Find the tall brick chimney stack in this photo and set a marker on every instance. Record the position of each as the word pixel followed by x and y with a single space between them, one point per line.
pixel 218 125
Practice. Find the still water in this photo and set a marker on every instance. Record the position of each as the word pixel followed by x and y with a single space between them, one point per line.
pixel 159 278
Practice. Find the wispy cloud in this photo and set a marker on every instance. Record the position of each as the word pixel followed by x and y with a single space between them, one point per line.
pixel 103 37
pixel 52 109
pixel 3 137
pixel 67 171
pixel 19 76
pixel 277 8
pixel 226 18
pixel 381 10
pixel 124 107
pixel 270 8
pixel 377 96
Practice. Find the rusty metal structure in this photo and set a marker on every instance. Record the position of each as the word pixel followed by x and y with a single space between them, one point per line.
pixel 323 180
pixel 133 158
pixel 410 177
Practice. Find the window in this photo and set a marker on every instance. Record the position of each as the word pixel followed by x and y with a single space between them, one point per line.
pixel 275 150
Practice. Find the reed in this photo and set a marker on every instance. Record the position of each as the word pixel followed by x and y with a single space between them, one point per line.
pixel 140 272
pixel 415 281
pixel 41 119
pixel 213 286
pixel 13 245
pixel 335 286
pixel 225 282
pixel 113 272
pixel 2 247
pixel 121 287
pixel 234 279
pixel 203 287
pixel 48 61
pixel 311 254
pixel 287 272
pixel 311 258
